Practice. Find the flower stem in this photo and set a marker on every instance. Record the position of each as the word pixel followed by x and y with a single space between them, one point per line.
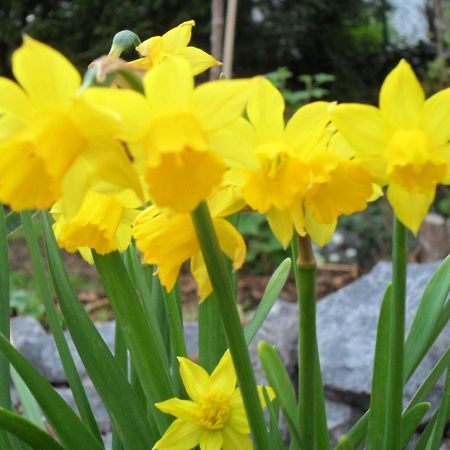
pixel 310 390
pixel 396 351
pixel 223 288
pixel 5 387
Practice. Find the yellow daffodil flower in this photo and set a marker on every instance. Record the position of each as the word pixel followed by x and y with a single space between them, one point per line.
pixel 168 241
pixel 214 418
pixel 174 132
pixel 302 184
pixel 404 143
pixel 103 223
pixel 45 128
pixel 174 42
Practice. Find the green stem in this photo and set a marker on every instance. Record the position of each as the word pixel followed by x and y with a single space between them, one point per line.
pixel 305 280
pixel 45 293
pixel 397 342
pixel 223 288
pixel 5 379
pixel 5 386
pixel 175 323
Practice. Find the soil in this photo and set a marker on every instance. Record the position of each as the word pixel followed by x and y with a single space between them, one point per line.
pixel 251 286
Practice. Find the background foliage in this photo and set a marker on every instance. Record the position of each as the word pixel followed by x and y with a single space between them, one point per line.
pixel 347 38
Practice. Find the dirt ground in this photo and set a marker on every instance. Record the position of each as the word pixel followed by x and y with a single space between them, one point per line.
pixel 251 286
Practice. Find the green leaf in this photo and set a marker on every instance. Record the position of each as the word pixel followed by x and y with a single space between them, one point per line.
pixel 125 410
pixel 27 431
pixel 29 403
pixel 430 381
pixel 211 336
pixel 378 399
pixel 273 410
pixel 442 415
pixel 422 331
pixel 271 293
pixel 71 430
pixel 143 339
pixel 411 421
pixel 54 320
pixel 280 382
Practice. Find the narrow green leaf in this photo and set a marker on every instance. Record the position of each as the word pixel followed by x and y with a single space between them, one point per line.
pixel 70 369
pixel 29 403
pixel 271 294
pixel 211 335
pixel 13 223
pixel 5 383
pixel 141 336
pixel 71 430
pixel 27 431
pixel 428 315
pixel 430 381
pixel 280 382
pixel 322 438
pixel 275 434
pixel 442 416
pixel 376 431
pixel 411 421
pixel 126 412
pixel 422 442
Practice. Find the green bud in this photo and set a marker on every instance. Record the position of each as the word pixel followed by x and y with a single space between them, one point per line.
pixel 122 41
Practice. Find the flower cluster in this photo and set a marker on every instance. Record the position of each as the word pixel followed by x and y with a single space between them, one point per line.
pixel 113 163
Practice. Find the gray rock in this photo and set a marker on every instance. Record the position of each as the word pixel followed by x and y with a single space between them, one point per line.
pixel 340 417
pixel 191 337
pixel 107 439
pixel 346 323
pixel 39 348
pixel 98 409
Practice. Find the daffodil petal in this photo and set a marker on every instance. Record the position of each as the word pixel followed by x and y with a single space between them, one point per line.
pixel 320 232
pixel 410 207
pixel 265 110
pixel 180 434
pixel 47 76
pixel 402 97
pixel 236 144
pixel 108 161
pixel 436 117
pixel 238 418
pixel 170 183
pixel 225 201
pixel 233 440
pixel 230 242
pixel 132 108
pixel 306 126
pixel 198 59
pixel 195 378
pixel 166 242
pixel 200 274
pixel 298 216
pixel 223 379
pixel 177 38
pixel 280 222
pixel 13 100
pixel 445 151
pixel 92 120
pixel 169 85
pixel 181 409
pixel 211 440
pixel 218 103
pixel 270 392
pixel 363 128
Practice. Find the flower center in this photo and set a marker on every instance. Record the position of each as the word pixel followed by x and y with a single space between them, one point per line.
pixel 413 161
pixel 215 411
